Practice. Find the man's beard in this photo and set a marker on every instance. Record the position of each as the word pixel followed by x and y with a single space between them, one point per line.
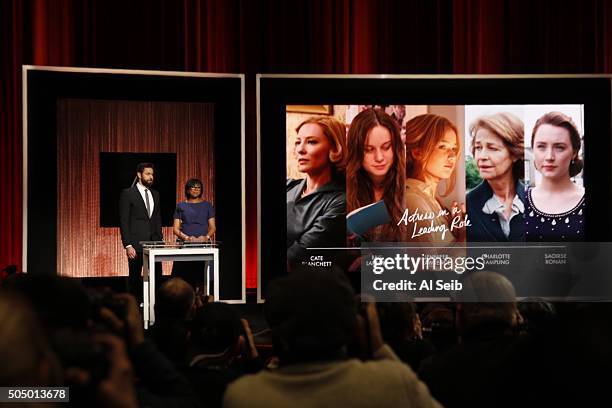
pixel 146 183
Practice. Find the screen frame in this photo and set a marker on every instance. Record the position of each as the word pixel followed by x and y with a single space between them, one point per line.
pixel 276 91
pixel 34 98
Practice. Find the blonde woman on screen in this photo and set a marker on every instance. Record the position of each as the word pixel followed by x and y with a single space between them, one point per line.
pixel 316 204
pixel 496 206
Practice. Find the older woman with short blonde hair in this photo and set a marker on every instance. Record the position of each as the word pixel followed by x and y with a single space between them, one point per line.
pixel 496 206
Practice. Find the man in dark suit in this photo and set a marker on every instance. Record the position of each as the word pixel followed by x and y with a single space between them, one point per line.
pixel 140 220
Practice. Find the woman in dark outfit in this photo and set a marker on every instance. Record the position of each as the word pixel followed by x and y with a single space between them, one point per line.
pixel 555 207
pixel 194 221
pixel 316 204
pixel 497 205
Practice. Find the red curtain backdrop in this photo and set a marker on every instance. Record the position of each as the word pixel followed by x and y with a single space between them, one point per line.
pixel 305 36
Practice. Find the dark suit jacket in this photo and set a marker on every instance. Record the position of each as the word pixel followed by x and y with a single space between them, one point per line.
pixel 486 227
pixel 134 221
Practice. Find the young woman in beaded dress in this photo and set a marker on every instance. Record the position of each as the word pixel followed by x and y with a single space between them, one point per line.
pixel 555 207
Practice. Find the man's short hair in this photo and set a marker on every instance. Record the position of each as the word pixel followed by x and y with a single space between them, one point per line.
pixel 312 311
pixel 490 298
pixel 141 166
pixel 396 318
pixel 175 298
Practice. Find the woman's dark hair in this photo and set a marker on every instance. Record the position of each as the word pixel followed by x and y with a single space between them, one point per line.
pixel 194 182
pixel 360 188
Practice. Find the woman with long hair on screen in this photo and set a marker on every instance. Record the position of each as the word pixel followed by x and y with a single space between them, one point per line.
pixel 556 205
pixel 432 150
pixel 496 206
pixel 375 170
pixel 316 204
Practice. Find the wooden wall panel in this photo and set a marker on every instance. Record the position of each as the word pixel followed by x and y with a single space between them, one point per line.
pixel 88 127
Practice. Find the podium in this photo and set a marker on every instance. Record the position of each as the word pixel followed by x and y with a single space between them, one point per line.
pixel 159 252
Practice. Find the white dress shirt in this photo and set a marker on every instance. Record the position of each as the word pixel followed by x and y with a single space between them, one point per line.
pixel 142 189
pixel 494 205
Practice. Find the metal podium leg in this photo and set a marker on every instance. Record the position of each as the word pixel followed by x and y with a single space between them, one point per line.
pixel 216 273
pixel 207 277
pixel 152 290
pixel 145 289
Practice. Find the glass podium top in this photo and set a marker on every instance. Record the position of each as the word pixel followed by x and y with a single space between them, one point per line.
pixel 179 244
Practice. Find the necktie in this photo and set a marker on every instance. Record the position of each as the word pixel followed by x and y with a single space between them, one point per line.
pixel 147 203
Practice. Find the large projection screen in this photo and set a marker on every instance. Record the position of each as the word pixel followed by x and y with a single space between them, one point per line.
pixel 285 101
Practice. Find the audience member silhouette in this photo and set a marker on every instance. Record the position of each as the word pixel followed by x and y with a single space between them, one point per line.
pixel 477 372
pixel 221 349
pixel 313 314
pixel 174 303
